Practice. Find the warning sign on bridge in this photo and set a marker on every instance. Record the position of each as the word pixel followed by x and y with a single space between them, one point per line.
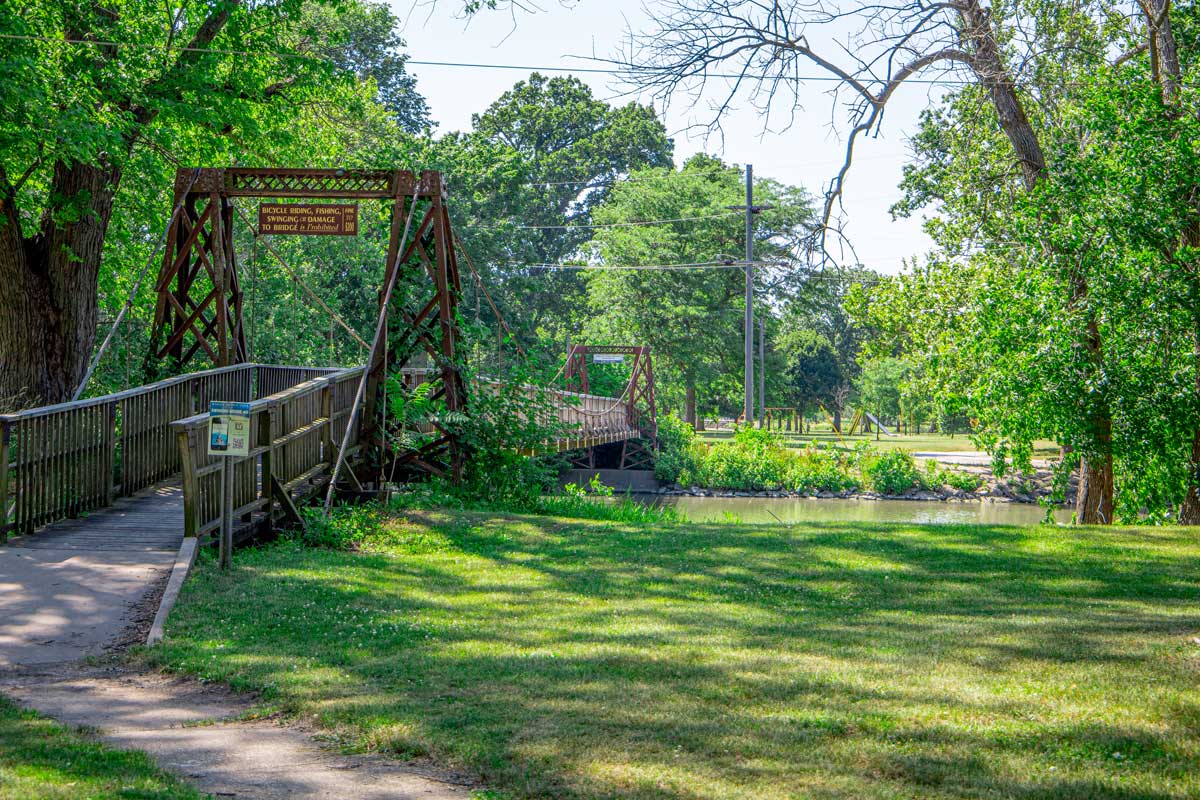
pixel 324 219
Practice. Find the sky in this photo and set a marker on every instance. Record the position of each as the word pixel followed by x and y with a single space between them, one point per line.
pixel 806 154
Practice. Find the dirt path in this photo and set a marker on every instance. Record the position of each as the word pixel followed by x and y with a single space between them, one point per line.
pixel 193 730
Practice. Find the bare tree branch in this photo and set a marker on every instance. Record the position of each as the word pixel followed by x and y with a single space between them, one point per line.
pixel 1130 54
pixel 767 48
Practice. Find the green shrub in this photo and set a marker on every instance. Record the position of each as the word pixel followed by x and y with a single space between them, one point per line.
pixel 755 460
pixel 937 476
pixel 346 527
pixel 892 472
pixel 963 481
pixel 510 479
pixel 814 470
pixel 679 452
pixel 732 467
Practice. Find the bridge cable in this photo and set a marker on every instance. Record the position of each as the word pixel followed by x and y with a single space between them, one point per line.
pixel 133 292
pixel 603 225
pixel 380 333
pixel 561 368
pixel 488 295
pixel 308 289
pixel 500 318
pixel 616 403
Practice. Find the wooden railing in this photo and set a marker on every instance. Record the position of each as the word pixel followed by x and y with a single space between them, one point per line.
pixel 295 436
pixel 590 420
pixel 584 420
pixel 64 460
pixel 69 459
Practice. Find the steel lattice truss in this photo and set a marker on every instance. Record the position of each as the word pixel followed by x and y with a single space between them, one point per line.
pixel 642 410
pixel 199 304
pixel 425 327
pixel 199 301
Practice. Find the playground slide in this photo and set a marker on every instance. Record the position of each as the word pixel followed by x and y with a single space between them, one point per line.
pixel 878 424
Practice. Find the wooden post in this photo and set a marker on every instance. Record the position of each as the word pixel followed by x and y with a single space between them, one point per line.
pixel 327 452
pixel 226 543
pixel 187 465
pixel 5 439
pixel 266 438
pixel 110 455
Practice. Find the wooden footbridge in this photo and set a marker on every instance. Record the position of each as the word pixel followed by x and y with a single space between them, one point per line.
pixel 133 466
pixel 65 463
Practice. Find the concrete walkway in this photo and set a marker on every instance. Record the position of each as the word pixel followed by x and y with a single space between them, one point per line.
pixel 191 729
pixel 973 458
pixel 72 589
pixel 88 586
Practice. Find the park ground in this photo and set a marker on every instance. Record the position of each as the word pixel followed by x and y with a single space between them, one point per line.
pixel 43 760
pixel 560 657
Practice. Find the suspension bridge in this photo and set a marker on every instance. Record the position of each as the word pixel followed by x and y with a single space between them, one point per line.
pixel 131 470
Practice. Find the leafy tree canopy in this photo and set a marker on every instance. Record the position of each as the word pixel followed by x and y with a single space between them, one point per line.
pixel 692 318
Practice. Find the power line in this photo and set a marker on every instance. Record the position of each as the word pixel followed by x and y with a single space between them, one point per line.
pixel 674 175
pixel 798 79
pixel 663 267
pixel 665 176
pixel 699 266
pixel 605 225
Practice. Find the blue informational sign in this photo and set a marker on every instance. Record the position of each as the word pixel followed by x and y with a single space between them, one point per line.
pixel 228 428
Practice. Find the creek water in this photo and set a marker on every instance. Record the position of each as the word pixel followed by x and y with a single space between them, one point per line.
pixel 810 509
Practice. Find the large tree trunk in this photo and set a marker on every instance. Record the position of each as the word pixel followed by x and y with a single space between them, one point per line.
pixel 1189 513
pixel 1164 61
pixel 988 64
pixel 1094 503
pixel 48 285
pixel 1096 477
pixel 689 407
pixel 1164 54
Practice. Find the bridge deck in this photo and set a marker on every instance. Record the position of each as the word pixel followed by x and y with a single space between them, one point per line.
pixel 72 589
pixel 149 520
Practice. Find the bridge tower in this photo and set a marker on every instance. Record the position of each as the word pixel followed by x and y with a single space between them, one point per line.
pixel 199 301
pixel 639 393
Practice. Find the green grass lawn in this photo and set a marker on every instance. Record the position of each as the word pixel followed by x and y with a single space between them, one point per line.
pixel 42 760
pixel 562 658
pixel 917 443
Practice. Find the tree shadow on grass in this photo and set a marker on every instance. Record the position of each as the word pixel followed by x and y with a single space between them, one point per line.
pixel 40 758
pixel 854 586
pixel 563 660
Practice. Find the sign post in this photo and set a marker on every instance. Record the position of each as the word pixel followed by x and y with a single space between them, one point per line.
pixel 228 439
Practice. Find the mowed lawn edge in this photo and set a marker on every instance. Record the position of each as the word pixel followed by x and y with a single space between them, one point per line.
pixel 566 658
pixel 41 759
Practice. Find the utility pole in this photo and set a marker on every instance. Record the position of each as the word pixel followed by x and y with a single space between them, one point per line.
pixel 762 374
pixel 750 295
pixel 750 210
